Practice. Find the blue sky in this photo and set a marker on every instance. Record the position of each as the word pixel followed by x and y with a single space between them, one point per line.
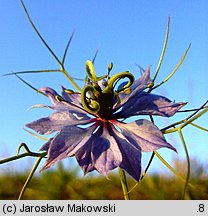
pixel 126 33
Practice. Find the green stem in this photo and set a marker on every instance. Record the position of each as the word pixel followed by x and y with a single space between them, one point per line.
pixel 13 158
pixel 30 177
pixel 70 79
pixel 124 184
pixel 32 154
pixel 199 127
pixel 188 162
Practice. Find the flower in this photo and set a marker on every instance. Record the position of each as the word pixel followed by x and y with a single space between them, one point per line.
pixel 90 125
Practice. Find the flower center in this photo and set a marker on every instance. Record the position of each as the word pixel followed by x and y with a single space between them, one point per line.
pixel 99 99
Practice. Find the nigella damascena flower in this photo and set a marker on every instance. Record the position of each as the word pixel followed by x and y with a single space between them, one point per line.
pixel 90 125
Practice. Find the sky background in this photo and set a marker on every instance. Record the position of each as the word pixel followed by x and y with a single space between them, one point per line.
pixel 126 33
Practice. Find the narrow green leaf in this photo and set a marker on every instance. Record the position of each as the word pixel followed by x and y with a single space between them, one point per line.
pixel 39 35
pixel 32 71
pixel 174 70
pixel 50 50
pixel 163 50
pixel 32 87
pixel 36 135
pixel 148 165
pixel 196 116
pixel 171 168
pixel 95 56
pixel 186 121
pixel 66 49
pixel 199 127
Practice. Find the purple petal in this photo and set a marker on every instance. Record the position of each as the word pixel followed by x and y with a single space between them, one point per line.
pixel 149 104
pixel 66 143
pixel 138 86
pixel 143 81
pixel 105 153
pixel 46 146
pixel 131 156
pixel 73 106
pixel 144 135
pixel 83 156
pixel 100 153
pixel 50 93
pixel 73 97
pixel 57 121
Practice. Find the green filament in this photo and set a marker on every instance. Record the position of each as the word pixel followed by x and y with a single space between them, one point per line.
pixel 90 104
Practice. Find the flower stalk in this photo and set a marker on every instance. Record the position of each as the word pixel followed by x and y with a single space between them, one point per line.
pixel 124 184
pixel 30 176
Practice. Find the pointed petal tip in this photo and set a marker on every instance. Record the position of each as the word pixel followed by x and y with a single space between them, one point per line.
pixel 169 146
pixel 173 148
pixel 48 91
pixel 28 125
pixel 183 103
pixel 45 166
pixel 62 87
pixel 42 169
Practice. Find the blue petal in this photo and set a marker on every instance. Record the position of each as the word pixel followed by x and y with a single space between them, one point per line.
pixel 144 135
pixel 131 156
pixel 83 156
pixel 66 143
pixel 138 86
pixel 105 153
pixel 74 98
pixel 101 152
pixel 143 81
pixel 57 120
pixel 50 93
pixel 69 105
pixel 149 104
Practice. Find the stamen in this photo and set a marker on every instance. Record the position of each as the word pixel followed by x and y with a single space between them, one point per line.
pixel 114 79
pixel 59 98
pixel 91 71
pixel 110 67
pixel 90 104
pixel 69 91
